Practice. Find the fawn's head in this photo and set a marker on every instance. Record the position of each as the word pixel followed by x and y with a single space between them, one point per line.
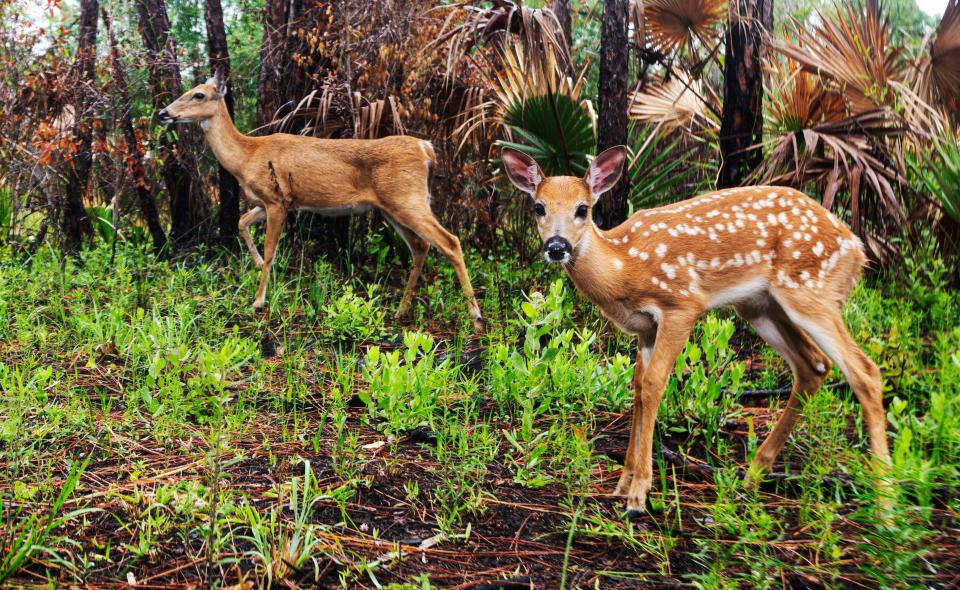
pixel 562 203
pixel 197 104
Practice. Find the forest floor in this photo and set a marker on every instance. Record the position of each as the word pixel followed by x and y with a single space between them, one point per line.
pixel 154 433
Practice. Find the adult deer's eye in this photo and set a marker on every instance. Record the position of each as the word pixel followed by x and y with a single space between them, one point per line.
pixel 539 210
pixel 581 211
pixel 198 96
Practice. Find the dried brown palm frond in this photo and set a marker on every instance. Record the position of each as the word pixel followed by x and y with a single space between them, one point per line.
pixel 847 159
pixel 936 72
pixel 851 49
pixel 677 102
pixel 515 78
pixel 797 98
pixel 370 117
pixel 670 25
pixel 467 24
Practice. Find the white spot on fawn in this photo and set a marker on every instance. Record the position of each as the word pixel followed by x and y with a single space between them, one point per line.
pixel 661 250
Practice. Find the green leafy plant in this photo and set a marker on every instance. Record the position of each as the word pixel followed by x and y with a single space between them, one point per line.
pixel 352 317
pixel 405 386
pixel 708 382
pixel 554 130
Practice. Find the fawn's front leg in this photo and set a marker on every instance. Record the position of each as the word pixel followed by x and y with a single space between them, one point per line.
pixel 644 349
pixel 672 334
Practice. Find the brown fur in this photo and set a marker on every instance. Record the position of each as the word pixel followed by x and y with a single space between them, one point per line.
pixel 281 172
pixel 782 261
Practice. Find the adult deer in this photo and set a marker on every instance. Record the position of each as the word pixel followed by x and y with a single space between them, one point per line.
pixel 281 172
pixel 783 262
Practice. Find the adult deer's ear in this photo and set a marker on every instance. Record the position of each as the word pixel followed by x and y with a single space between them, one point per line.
pixel 605 170
pixel 219 85
pixel 522 170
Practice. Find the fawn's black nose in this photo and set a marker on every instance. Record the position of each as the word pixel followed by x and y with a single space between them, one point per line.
pixel 164 117
pixel 557 249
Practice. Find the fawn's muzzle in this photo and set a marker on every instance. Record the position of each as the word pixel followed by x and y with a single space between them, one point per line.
pixel 164 117
pixel 557 249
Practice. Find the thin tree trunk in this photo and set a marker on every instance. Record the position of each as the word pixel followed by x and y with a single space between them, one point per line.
pixel 561 8
pixel 220 64
pixel 74 221
pixel 741 127
pixel 189 210
pixel 611 210
pixel 271 59
pixel 148 206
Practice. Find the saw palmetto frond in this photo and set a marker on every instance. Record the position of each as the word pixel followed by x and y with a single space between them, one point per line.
pixel 677 102
pixel 852 52
pixel 937 70
pixel 673 24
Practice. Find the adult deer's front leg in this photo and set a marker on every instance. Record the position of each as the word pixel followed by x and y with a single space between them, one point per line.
pixel 275 217
pixel 255 215
pixel 672 334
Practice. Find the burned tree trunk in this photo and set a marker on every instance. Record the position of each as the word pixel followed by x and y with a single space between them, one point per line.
pixel 220 64
pixel 74 221
pixel 611 210
pixel 741 127
pixel 148 206
pixel 271 59
pixel 189 209
pixel 561 8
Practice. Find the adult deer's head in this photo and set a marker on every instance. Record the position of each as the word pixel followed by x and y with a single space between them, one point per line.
pixel 196 105
pixel 562 203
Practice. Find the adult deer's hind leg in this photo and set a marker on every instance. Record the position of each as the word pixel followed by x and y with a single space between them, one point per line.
pixel 429 229
pixel 807 363
pixel 418 254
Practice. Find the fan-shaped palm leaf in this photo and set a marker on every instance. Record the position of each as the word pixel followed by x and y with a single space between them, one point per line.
pixel 537 28
pixel 677 102
pixel 553 129
pixel 797 99
pixel 672 24
pixel 851 50
pixel 937 78
pixel 537 105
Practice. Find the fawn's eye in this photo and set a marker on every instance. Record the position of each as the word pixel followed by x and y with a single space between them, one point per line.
pixel 539 210
pixel 198 96
pixel 581 211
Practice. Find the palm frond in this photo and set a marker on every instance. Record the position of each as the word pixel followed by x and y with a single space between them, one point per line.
pixel 797 98
pixel 937 71
pixel 677 102
pixel 518 84
pixel 852 51
pixel 466 25
pixel 658 166
pixel 672 24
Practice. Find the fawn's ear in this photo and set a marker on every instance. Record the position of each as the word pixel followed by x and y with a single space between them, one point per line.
pixel 522 170
pixel 605 170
